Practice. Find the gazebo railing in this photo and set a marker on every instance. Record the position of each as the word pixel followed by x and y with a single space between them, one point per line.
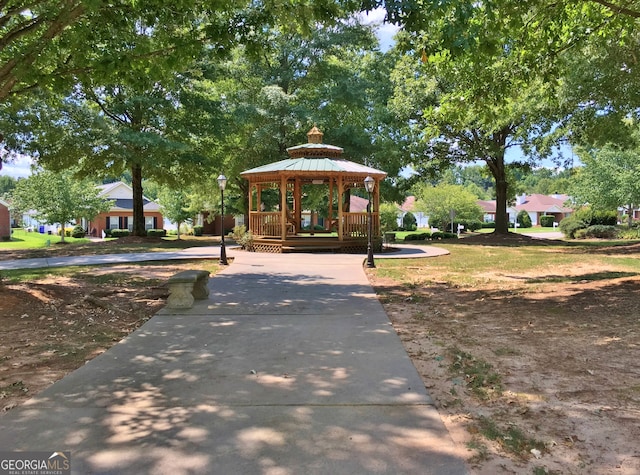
pixel 355 224
pixel 265 224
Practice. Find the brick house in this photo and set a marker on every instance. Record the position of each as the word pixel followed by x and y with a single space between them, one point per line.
pixel 5 221
pixel 120 216
pixel 535 205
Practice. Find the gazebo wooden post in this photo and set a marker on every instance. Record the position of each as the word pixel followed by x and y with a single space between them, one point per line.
pixel 283 207
pixel 376 209
pixel 330 211
pixel 297 203
pixel 340 216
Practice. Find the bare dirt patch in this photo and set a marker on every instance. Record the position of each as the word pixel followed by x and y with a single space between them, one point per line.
pixel 530 379
pixel 53 325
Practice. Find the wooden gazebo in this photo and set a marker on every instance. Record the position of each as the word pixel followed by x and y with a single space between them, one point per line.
pixel 304 203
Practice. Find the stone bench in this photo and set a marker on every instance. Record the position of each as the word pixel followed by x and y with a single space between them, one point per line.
pixel 187 286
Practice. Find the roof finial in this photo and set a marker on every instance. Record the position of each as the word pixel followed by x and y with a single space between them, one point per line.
pixel 314 135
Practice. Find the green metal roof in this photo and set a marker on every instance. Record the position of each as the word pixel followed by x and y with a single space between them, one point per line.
pixel 319 165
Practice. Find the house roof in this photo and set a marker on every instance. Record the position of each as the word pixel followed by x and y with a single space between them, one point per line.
pixel 488 206
pixel 122 196
pixel 357 204
pixel 538 203
pixel 408 204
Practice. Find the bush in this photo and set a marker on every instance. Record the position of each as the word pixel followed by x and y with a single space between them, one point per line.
pixel 117 233
pixel 447 235
pixel 523 219
pixel 78 232
pixel 489 225
pixel 546 221
pixel 600 231
pixel 156 232
pixel 197 230
pixel 473 224
pixel 389 236
pixel 67 232
pixel 246 241
pixel 570 225
pixel 409 222
pixel 388 217
pixel 604 218
pixel 633 233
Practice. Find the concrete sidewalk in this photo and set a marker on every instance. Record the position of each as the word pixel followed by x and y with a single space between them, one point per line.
pixel 400 251
pixel 290 367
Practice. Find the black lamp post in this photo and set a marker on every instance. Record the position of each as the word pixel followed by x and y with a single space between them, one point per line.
pixel 369 184
pixel 222 183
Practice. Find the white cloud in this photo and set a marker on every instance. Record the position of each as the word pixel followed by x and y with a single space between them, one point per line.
pixel 18 167
pixel 384 31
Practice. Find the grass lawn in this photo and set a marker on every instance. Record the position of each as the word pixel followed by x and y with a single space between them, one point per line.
pixel 21 239
pixel 528 349
pixel 40 245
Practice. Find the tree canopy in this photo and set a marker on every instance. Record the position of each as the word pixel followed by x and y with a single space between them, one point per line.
pixel 58 198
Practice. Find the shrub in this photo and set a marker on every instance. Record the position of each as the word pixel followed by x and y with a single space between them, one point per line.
pixel 423 236
pixel 197 230
pixel 67 232
pixel 546 221
pixel 523 219
pixel 473 224
pixel 446 235
pixel 571 224
pixel 388 217
pixel 409 222
pixel 604 218
pixel 580 233
pixel 156 232
pixel 600 231
pixel 78 232
pixel 633 233
pixel 246 241
pixel 489 225
pixel 389 236
pixel 410 237
pixel 117 233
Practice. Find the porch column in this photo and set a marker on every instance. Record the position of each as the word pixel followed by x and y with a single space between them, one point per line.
pixel 283 208
pixel 340 212
pixel 297 203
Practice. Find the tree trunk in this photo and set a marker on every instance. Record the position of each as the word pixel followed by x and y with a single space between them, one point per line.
pixel 138 204
pixel 495 163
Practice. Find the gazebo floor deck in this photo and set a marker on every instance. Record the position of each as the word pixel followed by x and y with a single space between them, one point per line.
pixel 310 243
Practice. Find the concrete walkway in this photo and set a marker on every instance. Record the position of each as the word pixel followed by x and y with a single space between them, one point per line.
pixel 290 367
pixel 398 251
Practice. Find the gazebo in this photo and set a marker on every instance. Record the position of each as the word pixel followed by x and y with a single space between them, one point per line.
pixel 304 203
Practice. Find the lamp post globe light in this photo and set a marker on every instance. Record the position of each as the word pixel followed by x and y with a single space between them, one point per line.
pixel 222 183
pixel 369 184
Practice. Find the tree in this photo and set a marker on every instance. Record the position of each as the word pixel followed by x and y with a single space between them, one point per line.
pixel 59 198
pixel 7 184
pixel 439 201
pixel 334 78
pixel 175 206
pixel 608 180
pixel 492 74
pixel 47 44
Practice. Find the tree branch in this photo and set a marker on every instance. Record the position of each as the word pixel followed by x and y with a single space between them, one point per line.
pixel 618 9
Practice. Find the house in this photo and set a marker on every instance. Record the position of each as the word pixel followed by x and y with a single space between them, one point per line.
pixel 5 221
pixel 489 210
pixel 409 205
pixel 535 205
pixel 120 216
pixel 538 205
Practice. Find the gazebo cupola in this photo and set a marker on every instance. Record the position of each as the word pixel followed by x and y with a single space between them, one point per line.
pixel 302 218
